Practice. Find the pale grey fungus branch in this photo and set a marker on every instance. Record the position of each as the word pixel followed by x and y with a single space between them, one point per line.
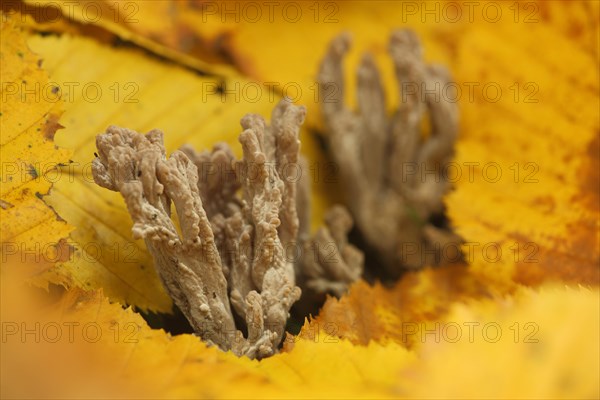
pixel 331 264
pixel 229 255
pixel 391 172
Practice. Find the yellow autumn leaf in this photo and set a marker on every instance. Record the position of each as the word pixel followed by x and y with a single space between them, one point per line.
pixel 191 38
pixel 107 351
pixel 541 345
pixel 529 157
pixel 199 33
pixel 32 233
pixel 578 21
pixel 22 16
pixel 126 88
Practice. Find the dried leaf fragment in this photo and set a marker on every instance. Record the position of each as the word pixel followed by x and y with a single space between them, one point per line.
pixel 392 174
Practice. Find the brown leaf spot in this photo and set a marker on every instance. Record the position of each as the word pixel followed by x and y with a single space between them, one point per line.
pixel 51 126
pixel 32 171
pixel 5 205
